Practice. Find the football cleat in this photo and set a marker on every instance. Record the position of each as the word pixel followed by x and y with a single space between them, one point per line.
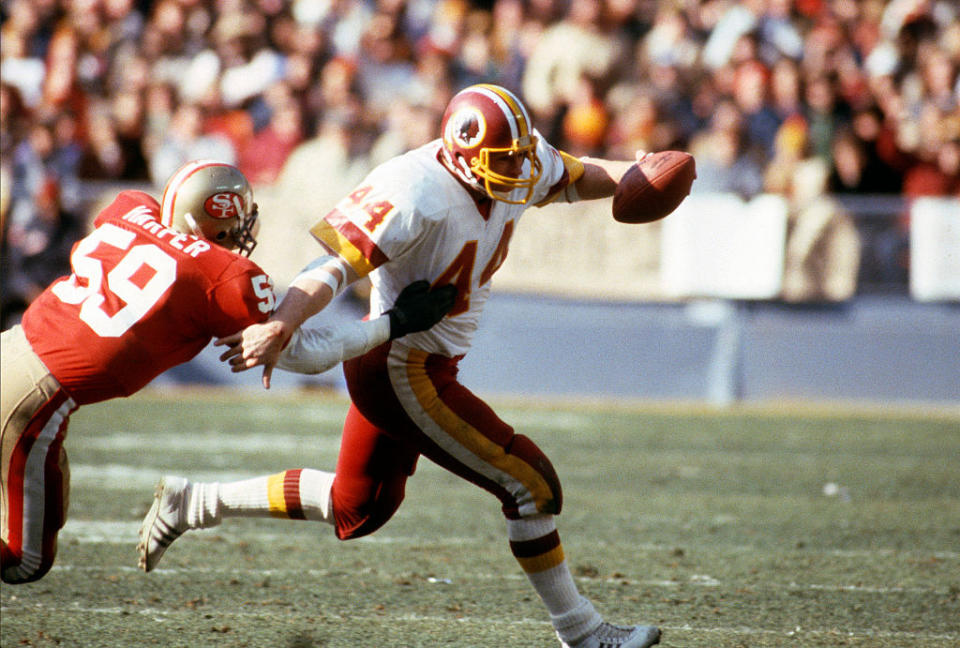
pixel 608 635
pixel 165 522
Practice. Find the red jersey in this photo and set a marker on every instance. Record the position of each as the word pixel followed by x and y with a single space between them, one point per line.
pixel 142 298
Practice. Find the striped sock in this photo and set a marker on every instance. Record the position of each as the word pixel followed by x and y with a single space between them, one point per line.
pixel 536 545
pixel 300 494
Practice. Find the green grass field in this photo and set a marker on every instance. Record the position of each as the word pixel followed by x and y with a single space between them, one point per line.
pixel 714 525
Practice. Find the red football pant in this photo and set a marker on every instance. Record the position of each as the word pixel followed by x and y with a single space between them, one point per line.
pixel 407 403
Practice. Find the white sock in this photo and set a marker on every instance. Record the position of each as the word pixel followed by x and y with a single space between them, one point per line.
pixel 536 545
pixel 296 494
pixel 203 508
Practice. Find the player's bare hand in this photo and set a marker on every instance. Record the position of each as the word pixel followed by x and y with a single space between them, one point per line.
pixel 256 345
pixel 232 342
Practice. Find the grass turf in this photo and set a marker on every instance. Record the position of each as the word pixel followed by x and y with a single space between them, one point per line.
pixel 714 525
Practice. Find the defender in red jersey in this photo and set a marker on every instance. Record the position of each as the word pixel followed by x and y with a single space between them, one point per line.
pixel 151 286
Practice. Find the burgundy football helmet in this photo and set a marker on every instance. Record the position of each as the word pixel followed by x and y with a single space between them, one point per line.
pixel 482 121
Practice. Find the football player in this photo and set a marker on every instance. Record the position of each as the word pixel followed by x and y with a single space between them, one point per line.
pixel 445 211
pixel 151 285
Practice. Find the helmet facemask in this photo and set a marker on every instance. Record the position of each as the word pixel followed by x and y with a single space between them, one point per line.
pixel 481 167
pixel 245 233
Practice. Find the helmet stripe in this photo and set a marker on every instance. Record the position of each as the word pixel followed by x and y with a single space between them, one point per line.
pixel 174 184
pixel 516 106
pixel 510 105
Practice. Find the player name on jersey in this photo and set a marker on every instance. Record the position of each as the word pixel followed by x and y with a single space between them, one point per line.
pixel 142 217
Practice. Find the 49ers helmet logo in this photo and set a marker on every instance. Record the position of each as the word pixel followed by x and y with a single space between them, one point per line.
pixel 466 127
pixel 224 205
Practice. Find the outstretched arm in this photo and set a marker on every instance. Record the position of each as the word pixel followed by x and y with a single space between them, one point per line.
pixel 311 291
pixel 600 177
pixel 417 308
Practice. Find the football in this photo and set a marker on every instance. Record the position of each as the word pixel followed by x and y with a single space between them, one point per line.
pixel 654 187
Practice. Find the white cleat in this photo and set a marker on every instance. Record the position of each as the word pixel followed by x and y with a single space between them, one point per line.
pixel 610 636
pixel 165 522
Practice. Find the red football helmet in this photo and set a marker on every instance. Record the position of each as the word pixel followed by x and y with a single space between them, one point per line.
pixel 482 121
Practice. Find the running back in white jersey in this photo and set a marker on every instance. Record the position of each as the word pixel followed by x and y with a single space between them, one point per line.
pixel 411 219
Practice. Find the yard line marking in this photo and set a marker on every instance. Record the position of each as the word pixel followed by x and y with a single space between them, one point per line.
pixel 120 532
pixel 161 615
pixel 214 441
pixel 695 580
pixel 798 631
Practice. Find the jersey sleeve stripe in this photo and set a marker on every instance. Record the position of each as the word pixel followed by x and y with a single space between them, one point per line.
pixel 345 239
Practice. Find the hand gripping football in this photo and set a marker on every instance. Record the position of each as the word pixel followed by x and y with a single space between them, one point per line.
pixel 654 187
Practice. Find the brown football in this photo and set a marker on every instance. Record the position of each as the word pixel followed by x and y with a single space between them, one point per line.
pixel 654 187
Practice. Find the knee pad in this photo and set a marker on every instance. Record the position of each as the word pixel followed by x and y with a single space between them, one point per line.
pixel 551 501
pixel 356 516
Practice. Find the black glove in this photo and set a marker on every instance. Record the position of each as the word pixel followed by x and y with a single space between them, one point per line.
pixel 418 308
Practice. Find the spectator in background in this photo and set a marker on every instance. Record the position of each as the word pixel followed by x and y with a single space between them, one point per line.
pixel 159 105
pixel 104 157
pixel 785 91
pixel 185 141
pixel 883 159
pixel 129 118
pixel 566 52
pixel 822 255
pixel 723 162
pixel 585 120
pixel 750 93
pixel 935 172
pixel 883 70
pixel 824 113
pixel 61 91
pixel 64 161
pixel 263 156
pixel 512 37
pixel 14 118
pixel 637 124
pixel 37 247
pixel 857 169
pixel 409 126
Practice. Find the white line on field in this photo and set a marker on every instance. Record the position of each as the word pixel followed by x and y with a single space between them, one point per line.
pixel 696 580
pixel 214 442
pixel 220 441
pixel 123 532
pixel 161 615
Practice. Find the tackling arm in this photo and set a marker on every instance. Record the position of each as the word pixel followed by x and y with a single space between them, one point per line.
pixel 417 308
pixel 311 291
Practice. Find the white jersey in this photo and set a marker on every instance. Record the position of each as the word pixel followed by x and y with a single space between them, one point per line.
pixel 411 219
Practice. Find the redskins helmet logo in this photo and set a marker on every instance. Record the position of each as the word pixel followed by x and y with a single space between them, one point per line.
pixel 466 127
pixel 223 205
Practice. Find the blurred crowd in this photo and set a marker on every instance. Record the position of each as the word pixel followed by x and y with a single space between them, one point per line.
pixel 843 96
